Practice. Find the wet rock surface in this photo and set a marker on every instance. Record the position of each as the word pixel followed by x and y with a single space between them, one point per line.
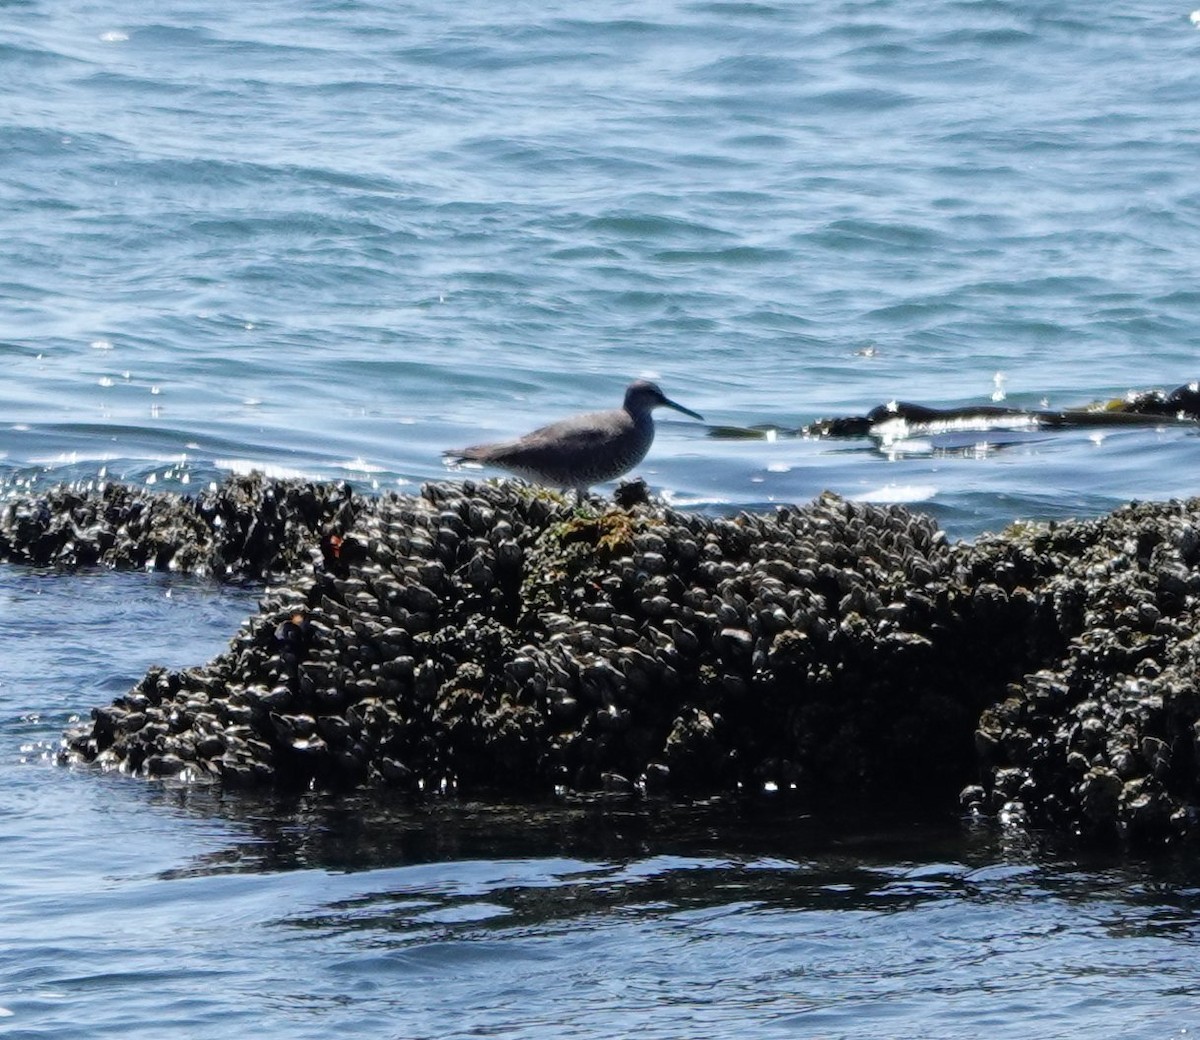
pixel 247 527
pixel 1102 741
pixel 496 637
pixel 489 637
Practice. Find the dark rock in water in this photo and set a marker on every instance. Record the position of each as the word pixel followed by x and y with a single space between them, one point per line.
pixel 632 493
pixel 483 637
pixel 1181 405
pixel 493 636
pixel 245 527
pixel 1105 736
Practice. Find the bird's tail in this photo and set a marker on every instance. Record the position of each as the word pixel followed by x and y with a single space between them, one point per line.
pixel 475 453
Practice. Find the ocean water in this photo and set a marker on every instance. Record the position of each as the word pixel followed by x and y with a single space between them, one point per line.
pixel 333 238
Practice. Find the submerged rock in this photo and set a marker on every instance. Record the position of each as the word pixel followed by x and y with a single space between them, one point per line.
pixel 491 636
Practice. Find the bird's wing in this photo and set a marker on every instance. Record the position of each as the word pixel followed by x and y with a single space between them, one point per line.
pixel 577 435
pixel 579 431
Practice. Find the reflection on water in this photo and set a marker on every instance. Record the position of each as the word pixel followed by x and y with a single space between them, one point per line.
pixel 577 859
pixel 723 919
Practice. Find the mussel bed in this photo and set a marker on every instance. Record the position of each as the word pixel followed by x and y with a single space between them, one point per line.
pixel 494 637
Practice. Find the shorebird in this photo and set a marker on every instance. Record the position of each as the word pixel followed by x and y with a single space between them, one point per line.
pixel 583 450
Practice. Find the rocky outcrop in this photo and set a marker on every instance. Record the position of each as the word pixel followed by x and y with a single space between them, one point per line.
pixel 493 637
pixel 247 527
pixel 1101 740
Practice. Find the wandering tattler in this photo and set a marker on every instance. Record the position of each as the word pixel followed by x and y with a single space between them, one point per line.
pixel 583 450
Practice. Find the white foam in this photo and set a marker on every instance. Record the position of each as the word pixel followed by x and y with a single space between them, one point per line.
pixel 244 467
pixel 70 458
pixel 360 466
pixel 896 494
pixel 898 429
pixel 675 499
pixel 895 449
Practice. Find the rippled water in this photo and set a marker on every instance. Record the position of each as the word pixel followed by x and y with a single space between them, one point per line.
pixel 437 226
pixel 135 910
pixel 334 238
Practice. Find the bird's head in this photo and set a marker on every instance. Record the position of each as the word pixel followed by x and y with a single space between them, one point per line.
pixel 642 396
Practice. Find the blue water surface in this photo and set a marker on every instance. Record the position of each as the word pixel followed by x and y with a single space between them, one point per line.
pixel 333 238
